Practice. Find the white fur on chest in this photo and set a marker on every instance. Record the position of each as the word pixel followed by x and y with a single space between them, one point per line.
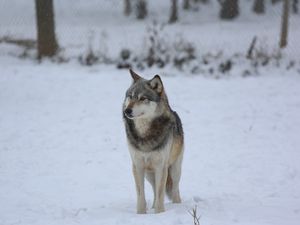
pixel 142 125
pixel 152 159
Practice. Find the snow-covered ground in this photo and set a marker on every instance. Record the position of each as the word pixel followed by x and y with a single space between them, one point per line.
pixel 64 159
pixel 63 152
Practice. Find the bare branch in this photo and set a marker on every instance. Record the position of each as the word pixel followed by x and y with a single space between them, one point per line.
pixel 250 50
pixel 196 218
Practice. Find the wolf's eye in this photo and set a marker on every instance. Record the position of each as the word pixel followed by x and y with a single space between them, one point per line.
pixel 144 99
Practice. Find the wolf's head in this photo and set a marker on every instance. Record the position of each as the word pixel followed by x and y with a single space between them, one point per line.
pixel 144 98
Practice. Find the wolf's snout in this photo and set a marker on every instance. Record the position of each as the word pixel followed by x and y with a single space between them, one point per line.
pixel 128 112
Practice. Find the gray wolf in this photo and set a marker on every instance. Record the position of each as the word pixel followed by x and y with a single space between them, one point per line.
pixel 155 140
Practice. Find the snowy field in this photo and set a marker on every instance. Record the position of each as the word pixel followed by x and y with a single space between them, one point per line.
pixel 64 159
pixel 63 152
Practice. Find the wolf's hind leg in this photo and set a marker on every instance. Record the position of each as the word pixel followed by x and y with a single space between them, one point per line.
pixel 174 173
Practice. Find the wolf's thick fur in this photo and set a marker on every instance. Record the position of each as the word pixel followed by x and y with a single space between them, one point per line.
pixel 155 139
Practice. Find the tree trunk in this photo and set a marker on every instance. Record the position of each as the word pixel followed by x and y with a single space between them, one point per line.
pixel 186 4
pixel 229 9
pixel 275 1
pixel 174 12
pixel 47 44
pixel 141 9
pixel 284 24
pixel 259 6
pixel 127 7
pixel 295 6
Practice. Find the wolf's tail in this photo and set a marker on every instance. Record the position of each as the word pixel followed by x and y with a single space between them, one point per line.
pixel 169 185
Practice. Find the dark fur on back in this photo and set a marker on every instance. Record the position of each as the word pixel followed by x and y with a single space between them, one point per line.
pixel 157 135
pixel 178 127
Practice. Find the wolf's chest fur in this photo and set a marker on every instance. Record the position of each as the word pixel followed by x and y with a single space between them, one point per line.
pixel 142 126
pixel 146 135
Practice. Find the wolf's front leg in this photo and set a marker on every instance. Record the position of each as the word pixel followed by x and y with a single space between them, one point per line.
pixel 139 174
pixel 160 185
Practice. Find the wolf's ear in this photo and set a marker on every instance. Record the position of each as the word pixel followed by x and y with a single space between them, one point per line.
pixel 156 84
pixel 134 75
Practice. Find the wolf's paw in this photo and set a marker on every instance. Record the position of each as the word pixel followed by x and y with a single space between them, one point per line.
pixel 176 200
pixel 141 206
pixel 159 209
pixel 143 211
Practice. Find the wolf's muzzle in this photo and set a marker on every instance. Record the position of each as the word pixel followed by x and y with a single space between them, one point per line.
pixel 128 112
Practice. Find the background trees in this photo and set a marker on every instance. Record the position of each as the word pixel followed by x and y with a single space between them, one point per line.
pixel 259 6
pixel 229 9
pixel 174 12
pixel 186 4
pixel 295 6
pixel 284 24
pixel 47 44
pixel 127 7
pixel 141 9
pixel 46 39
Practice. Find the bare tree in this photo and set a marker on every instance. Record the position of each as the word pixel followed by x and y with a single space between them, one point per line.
pixel 141 9
pixel 186 4
pixel 127 7
pixel 174 12
pixel 47 44
pixel 275 1
pixel 284 24
pixel 201 1
pixel 295 6
pixel 259 6
pixel 229 9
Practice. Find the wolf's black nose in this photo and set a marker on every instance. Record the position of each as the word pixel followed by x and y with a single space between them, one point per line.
pixel 128 111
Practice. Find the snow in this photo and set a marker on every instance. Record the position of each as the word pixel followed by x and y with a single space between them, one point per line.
pixel 64 158
pixel 63 152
